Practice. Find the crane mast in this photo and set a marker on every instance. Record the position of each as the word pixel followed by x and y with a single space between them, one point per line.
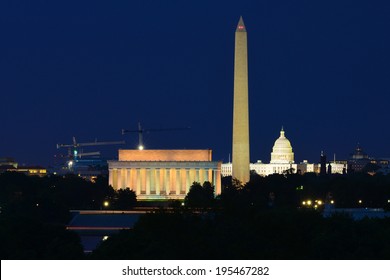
pixel 141 130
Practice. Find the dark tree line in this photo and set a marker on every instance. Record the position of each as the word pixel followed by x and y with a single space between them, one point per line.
pixel 34 212
pixel 262 219
pixel 267 234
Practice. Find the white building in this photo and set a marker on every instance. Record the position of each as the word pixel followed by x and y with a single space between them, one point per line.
pixel 282 161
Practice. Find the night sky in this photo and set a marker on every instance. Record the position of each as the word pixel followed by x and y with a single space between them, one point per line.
pixel 90 68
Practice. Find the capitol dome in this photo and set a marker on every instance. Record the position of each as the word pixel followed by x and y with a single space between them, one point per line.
pixel 282 151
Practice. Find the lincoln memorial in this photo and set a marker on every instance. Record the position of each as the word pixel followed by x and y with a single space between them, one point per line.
pixel 163 174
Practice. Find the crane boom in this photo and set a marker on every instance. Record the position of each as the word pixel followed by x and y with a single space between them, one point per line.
pixel 75 153
pixel 96 143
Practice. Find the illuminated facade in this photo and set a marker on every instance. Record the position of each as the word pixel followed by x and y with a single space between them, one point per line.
pixel 163 174
pixel 282 162
pixel 28 170
pixel 282 151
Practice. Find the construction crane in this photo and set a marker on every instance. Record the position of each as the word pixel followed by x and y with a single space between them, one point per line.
pixel 75 146
pixel 141 130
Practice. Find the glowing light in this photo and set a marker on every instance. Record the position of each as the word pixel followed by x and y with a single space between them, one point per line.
pixel 303 202
pixel 240 27
pixel 360 201
pixel 309 202
pixel 106 203
pixel 140 147
pixel 319 202
pixel 105 238
pixel 332 202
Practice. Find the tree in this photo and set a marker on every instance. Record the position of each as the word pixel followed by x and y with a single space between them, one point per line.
pixel 200 196
pixel 124 199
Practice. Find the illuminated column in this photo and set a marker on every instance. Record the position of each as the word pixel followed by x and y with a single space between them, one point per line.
pixel 114 179
pixel 178 181
pixel 133 176
pixel 188 180
pixel 158 181
pixel 120 177
pixel 197 175
pixel 172 185
pixel 128 178
pixel 138 192
pixel 143 180
pixel 153 180
pixel 147 180
pixel 183 180
pixel 162 180
pixel 218 181
pixel 124 177
pixel 210 176
pixel 192 176
pixel 167 180
pixel 110 178
pixel 201 176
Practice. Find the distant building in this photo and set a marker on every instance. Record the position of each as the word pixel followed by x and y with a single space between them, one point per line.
pixel 87 168
pixel 10 165
pixel 163 174
pixel 7 161
pixel 358 160
pixel 282 162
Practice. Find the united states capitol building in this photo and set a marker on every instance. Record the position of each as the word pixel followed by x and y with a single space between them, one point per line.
pixel 282 162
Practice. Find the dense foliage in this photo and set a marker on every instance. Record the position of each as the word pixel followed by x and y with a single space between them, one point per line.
pixel 264 219
pixel 267 234
pixel 35 211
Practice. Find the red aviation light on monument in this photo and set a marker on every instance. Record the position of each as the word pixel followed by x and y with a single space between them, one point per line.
pixel 241 26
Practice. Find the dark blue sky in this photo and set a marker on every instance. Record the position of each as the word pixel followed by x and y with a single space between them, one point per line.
pixel 90 68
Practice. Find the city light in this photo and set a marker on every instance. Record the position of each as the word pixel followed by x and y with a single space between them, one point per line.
pixel 314 204
pixel 106 203
pixel 332 202
pixel 360 201
pixel 140 147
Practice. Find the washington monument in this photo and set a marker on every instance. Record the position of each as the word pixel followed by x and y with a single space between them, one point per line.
pixel 240 159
